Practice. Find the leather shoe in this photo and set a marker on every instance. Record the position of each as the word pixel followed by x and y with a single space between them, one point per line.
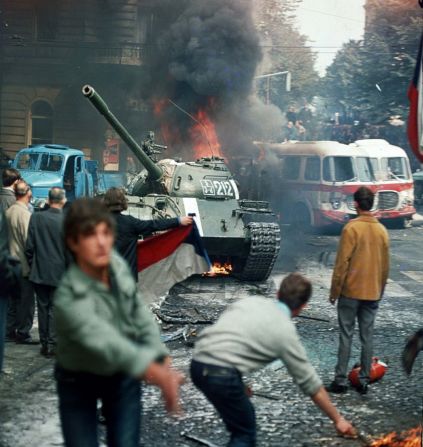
pixel 44 350
pixel 362 389
pixel 336 388
pixel 26 341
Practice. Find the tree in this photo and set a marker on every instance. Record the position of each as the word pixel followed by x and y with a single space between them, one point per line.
pixel 285 49
pixel 370 77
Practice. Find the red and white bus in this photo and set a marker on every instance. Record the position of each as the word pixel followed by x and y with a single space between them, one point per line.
pixel 317 180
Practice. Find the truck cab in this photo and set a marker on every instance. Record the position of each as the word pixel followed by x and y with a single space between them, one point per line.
pixel 49 165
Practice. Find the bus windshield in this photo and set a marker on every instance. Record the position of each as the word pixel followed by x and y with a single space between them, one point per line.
pixel 395 168
pixel 338 169
pixel 365 169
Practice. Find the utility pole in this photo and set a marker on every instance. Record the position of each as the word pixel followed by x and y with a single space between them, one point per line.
pixel 268 78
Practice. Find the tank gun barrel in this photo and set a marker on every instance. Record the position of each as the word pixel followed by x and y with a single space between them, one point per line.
pixel 155 172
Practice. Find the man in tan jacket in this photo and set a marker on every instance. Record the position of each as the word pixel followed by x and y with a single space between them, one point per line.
pixel 21 310
pixel 358 281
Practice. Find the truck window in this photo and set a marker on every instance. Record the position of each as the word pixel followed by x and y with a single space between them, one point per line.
pixel 395 168
pixel 338 169
pixel 291 167
pixel 27 161
pixel 51 162
pixel 312 169
pixel 365 169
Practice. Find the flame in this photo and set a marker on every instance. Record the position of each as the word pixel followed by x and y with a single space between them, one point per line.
pixel 219 269
pixel 202 134
pixel 204 137
pixel 171 135
pixel 409 438
pixel 158 106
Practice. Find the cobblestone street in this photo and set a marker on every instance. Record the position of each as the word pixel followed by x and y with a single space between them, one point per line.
pixel 28 415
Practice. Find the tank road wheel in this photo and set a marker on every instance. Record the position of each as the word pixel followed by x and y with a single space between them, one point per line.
pixel 301 217
pixel 264 249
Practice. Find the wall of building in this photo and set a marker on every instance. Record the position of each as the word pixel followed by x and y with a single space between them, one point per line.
pixel 101 42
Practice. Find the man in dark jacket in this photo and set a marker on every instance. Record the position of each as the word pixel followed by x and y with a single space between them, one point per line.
pixel 45 253
pixel 129 228
pixel 10 177
pixel 8 280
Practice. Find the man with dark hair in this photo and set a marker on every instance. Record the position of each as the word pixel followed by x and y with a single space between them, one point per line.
pixel 20 316
pixel 129 228
pixel 7 194
pixel 46 258
pixel 358 281
pixel 250 334
pixel 107 340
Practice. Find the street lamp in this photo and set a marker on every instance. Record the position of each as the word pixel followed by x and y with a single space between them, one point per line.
pixel 269 76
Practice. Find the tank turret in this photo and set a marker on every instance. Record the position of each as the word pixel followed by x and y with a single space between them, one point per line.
pixel 244 234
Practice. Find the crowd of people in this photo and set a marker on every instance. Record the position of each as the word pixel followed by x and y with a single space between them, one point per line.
pixel 105 341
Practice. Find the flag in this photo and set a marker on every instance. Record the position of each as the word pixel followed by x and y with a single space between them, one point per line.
pixel 169 258
pixel 415 116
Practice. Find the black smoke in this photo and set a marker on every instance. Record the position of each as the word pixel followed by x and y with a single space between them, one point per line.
pixel 206 57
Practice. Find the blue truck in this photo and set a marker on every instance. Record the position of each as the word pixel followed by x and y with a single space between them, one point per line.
pixel 47 165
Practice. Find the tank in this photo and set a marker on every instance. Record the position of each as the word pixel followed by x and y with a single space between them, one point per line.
pixel 242 234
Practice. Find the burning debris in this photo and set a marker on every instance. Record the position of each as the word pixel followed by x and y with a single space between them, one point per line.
pixel 220 269
pixel 409 438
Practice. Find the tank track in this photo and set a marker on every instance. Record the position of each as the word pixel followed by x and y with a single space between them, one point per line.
pixel 264 249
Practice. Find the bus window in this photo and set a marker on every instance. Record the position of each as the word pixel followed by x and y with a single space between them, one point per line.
pixel 312 169
pixel 338 169
pixel 291 167
pixel 396 168
pixel 365 169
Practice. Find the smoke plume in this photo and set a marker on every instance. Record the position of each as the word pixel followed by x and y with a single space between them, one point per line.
pixel 207 54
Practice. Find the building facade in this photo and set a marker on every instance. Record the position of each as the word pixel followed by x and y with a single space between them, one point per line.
pixel 50 49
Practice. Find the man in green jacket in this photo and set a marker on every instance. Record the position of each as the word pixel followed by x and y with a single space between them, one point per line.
pixel 107 340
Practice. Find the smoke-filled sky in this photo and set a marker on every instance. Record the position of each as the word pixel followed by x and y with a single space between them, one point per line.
pixel 328 24
pixel 206 59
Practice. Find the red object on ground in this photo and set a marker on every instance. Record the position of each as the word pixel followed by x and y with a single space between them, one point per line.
pixel 377 371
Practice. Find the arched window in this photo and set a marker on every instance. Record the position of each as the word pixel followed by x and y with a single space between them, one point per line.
pixel 41 122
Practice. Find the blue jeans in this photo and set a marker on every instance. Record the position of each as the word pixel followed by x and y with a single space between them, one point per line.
pixel 121 398
pixel 3 314
pixel 224 388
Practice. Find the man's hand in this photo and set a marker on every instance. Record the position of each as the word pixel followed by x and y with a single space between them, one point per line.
pixel 168 380
pixel 186 220
pixel 345 428
pixel 332 300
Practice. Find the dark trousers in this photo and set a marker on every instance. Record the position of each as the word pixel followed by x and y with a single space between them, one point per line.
pixel 21 309
pixel 3 313
pixel 121 399
pixel 348 311
pixel 45 314
pixel 225 389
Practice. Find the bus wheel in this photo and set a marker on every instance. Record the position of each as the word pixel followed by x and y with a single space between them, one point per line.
pixel 400 223
pixel 301 217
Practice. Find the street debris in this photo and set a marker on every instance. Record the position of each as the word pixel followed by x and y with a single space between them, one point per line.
pixel 186 332
pixel 201 441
